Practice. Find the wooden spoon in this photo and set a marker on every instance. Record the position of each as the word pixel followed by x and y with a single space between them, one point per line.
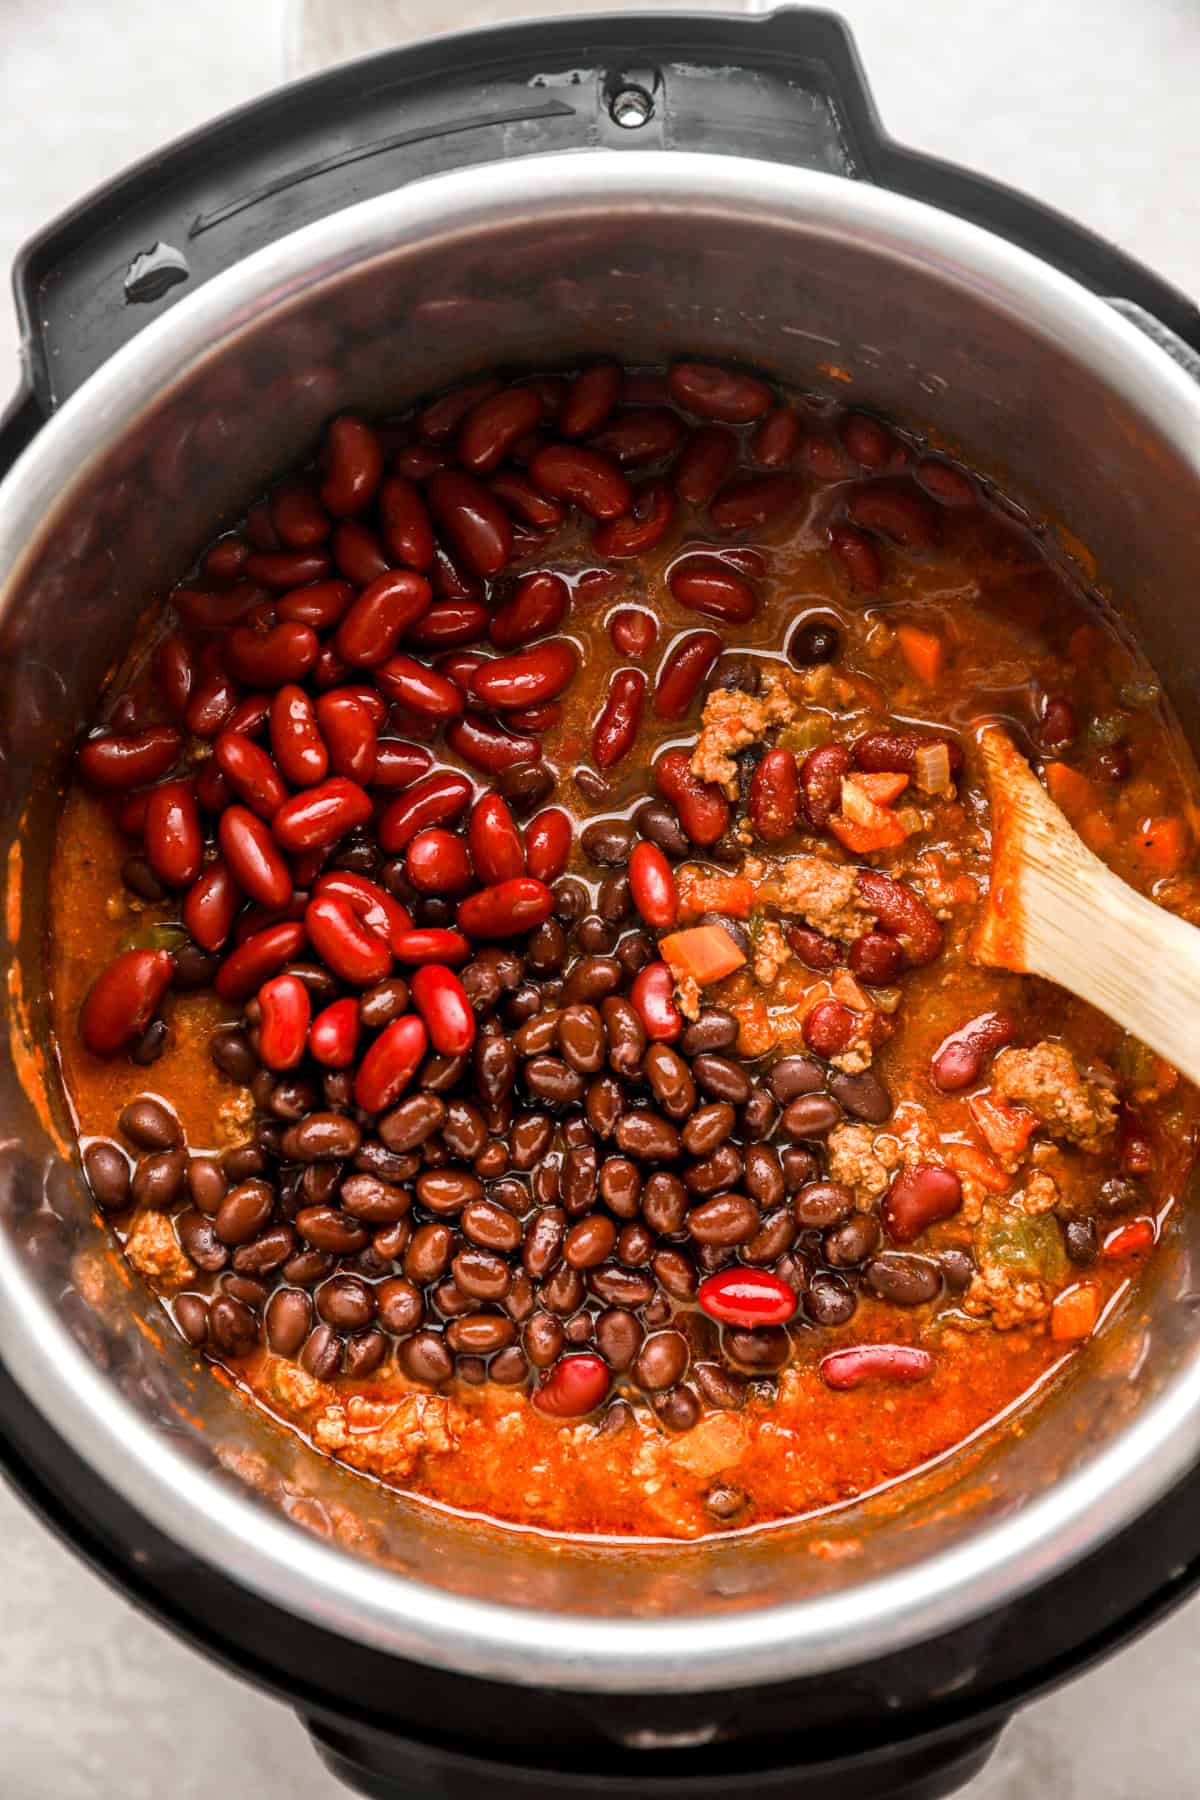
pixel 1055 910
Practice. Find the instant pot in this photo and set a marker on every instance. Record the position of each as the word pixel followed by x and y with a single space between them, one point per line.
pixel 636 186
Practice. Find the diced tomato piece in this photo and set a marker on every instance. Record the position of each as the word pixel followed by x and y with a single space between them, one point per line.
pixel 702 954
pixel 1007 1129
pixel 1163 845
pixel 1128 1240
pixel 701 893
pixel 884 834
pixel 1074 1312
pixel 969 1160
pixel 923 651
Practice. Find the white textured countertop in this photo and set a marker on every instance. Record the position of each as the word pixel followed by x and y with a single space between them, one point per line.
pixel 1091 105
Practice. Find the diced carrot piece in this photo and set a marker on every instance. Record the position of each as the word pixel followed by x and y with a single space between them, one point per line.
pixel 1074 1312
pixel 703 952
pixel 700 893
pixel 969 1160
pixel 1006 1129
pixel 923 651
pixel 1070 790
pixel 879 789
pixel 1098 832
pixel 1163 845
pixel 1128 1240
pixel 860 840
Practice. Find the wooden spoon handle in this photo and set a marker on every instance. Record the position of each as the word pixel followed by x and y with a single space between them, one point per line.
pixel 1055 910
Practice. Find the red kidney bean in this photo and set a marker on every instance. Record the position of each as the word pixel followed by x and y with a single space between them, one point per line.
pixel 829 1027
pixel 329 670
pixel 296 742
pixel 436 862
pixel 875 959
pixel 645 436
pixel 378 910
pixel 704 585
pixel 422 691
pixel 123 999
pixel 857 557
pixel 687 665
pixel 589 399
pixel 616 729
pixel 439 419
pixel 253 858
pixel 432 944
pixel 213 793
pixel 774 804
pixel 450 580
pixel 434 801
pixel 358 553
pixel 345 942
pixel 862 1363
pixel 319 606
pixel 866 440
pixel 821 775
pixel 479 529
pixel 390 1064
pixel 224 561
pixel 175 672
pixel 652 996
pixel 417 462
pixel 283 1028
pixel 441 1000
pixel 349 731
pixel 815 952
pixel 213 612
pixel 299 519
pixel 458 666
pixel 528 677
pixel 903 913
pixel 633 632
pixel 583 478
pixel 950 486
pixel 250 773
pixel 536 718
pixel 131 813
pixel 702 808
pixel 508 909
pixel 250 715
pixel 321 815
pixel 380 615
pixel 958 1060
pixel 494 841
pixel 271 659
pixel 645 525
pixel 535 510
pixel 756 501
pixel 449 622
pixel 882 752
pixel 917 1198
pixel 399 764
pixel 405 524
pixel 211 906
pixel 261 955
pixel 897 511
pixel 488 747
pixel 1058 724
pixel 171 833
pixel 574 1387
pixel 548 844
pixel 716 393
pixel 493 425
pixel 117 763
pixel 538 605
pixel 776 439
pixel 748 1297
pixel 706 463
pixel 652 885
pixel 352 465
pixel 333 1034
pixel 213 702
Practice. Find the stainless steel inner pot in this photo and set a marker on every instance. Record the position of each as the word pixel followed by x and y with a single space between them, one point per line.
pixel 830 284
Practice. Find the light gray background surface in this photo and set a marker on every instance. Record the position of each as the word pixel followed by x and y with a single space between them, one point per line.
pixel 1092 105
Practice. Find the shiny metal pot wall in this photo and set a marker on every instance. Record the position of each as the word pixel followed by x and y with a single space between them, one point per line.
pixel 636 256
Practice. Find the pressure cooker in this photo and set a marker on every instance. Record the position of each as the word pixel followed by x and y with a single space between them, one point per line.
pixel 635 186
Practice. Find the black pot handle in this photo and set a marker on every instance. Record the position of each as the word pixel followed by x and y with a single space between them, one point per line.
pixel 787 86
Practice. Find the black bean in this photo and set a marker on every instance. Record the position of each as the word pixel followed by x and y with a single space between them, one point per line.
pixel 616 1286
pixel 327 1228
pixel 546 948
pixel 495 1068
pixel 677 1273
pixel 322 1137
pixel 399 1306
pixel 543 1241
pixel 720 1387
pixel 200 1242
pixel 424 1357
pixel 232 1327
pixel 678 1409
pixel 158 1178
pixel 288 1320
pixel 193 968
pixel 231 1052
pixel 509 1367
pixel 191 1316
pixel 346 1302
pixel 563 1291
pixel 592 978
pixel 736 671
pixel 635 1245
pixel 767 1348
pixel 207 1183
pixel 376 1202
pixel 828 1300
pixel 372 1159
pixel 581 1038
pixel 721 1169
pixel 1081 1240
pixel 589 1241
pixel 670 1081
pixel 150 1125
pixel 579 1329
pixel 365 1351
pixel 427 1256
pixel 571 900
pixel 850 1243
pixel 150 1046
pixel 526 786
pixel 708 1127
pixel 626 1035
pixel 538 1033
pixel 762 1175
pixel 319 981
pixel 647 1136
pixel 524 1003
pixel 417 1117
pixel 543 1339
pixel 819 1204
pixel 759 1115
pixel 904 1280
pixel 245 1211
pixel 438 1074
pixel 380 1004
pixel 862 1096
pixel 725 1220
pixel 268 1251
pixel 481 985
pixel 798 1165
pixel 608 842
pixel 664 1203
pixel 723 1079
pixel 713 1031
pixel 307 1267
pixel 635 951
pixel 1117 1195
pixel 618 1337
pixel 792 1076
pixel 811 1116
pixel 776 1234
pixel 482 1274
pixel 141 880
pixel 551 1079
pixel 815 641
pixel 661 1362
pixel 107 1170
pixel 659 824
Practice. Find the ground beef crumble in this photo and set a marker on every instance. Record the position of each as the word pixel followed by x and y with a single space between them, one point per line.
pixel 155 1252
pixel 1007 1297
pixel 824 894
pixel 770 953
pixel 1047 1081
pixel 386 1437
pixel 862 1161
pixel 733 720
